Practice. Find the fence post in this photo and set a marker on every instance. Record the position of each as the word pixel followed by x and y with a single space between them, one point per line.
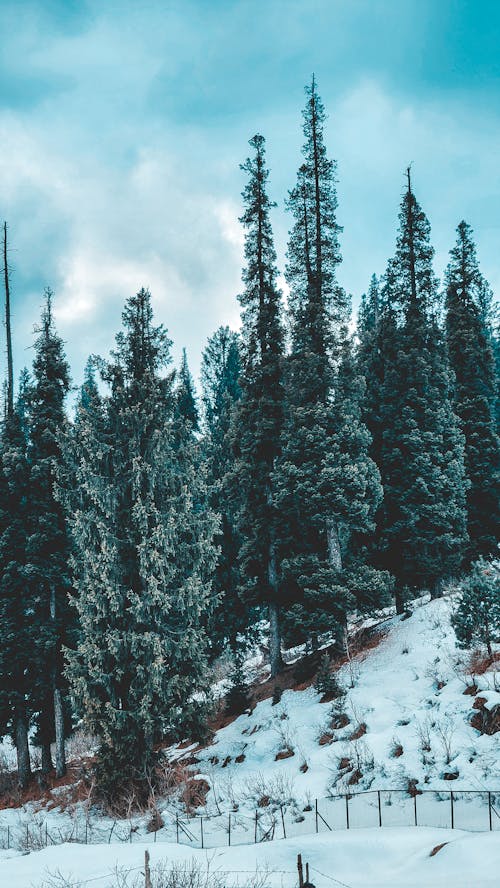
pixel 201 831
pixel 415 807
pixel 27 837
pixel 283 821
pixel 86 830
pixel 452 812
pixel 347 809
pixel 177 827
pixel 229 829
pixel 489 811
pixel 379 809
pixel 8 832
pixel 316 814
pixel 147 871
pixel 255 832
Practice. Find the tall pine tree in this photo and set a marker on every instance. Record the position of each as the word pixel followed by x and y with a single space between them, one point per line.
pixel 144 556
pixel 328 487
pixel 468 339
pixel 417 441
pixel 220 373
pixel 259 414
pixel 48 544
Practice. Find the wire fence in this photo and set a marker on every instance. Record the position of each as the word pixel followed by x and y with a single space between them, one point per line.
pixel 471 810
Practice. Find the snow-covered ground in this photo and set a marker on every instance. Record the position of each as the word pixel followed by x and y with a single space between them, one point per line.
pixel 390 858
pixel 405 698
pixel 404 720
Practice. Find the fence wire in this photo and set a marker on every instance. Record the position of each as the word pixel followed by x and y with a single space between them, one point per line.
pixel 470 810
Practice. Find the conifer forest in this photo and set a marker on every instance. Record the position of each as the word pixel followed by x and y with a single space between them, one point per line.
pixel 328 464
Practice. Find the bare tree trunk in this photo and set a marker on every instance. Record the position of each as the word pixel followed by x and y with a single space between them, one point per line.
pixel 437 591
pixel 399 600
pixel 333 543
pixel 58 706
pixel 22 748
pixel 10 370
pixel 46 758
pixel 275 658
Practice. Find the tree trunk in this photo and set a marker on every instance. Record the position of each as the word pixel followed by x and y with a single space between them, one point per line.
pixel 59 728
pixel 437 591
pixel 58 705
pixel 333 543
pixel 46 758
pixel 276 661
pixel 399 600
pixel 22 748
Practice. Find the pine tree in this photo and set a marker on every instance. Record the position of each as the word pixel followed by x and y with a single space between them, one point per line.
pixel 328 488
pixel 48 544
pixel 220 372
pixel 477 617
pixel 18 633
pixel 468 340
pixel 186 395
pixel 144 556
pixel 259 415
pixel 417 442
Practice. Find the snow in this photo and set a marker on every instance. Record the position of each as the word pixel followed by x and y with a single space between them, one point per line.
pixel 408 692
pixel 410 686
pixel 379 858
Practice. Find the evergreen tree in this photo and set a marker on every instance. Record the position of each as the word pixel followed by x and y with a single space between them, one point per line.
pixel 259 414
pixel 186 395
pixel 144 556
pixel 18 631
pixel 417 442
pixel 47 544
pixel 328 487
pixel 469 347
pixel 220 372
pixel 477 617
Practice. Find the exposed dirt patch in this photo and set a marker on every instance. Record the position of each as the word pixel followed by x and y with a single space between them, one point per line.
pixel 437 848
pixel 283 754
pixel 359 732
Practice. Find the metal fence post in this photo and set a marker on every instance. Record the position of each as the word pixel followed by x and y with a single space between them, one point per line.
pixel 201 831
pixel 379 809
pixel 415 807
pixel 452 812
pixel 8 833
pixel 229 829
pixel 316 814
pixel 177 827
pixel 347 809
pixel 283 821
pixel 489 811
pixel 255 833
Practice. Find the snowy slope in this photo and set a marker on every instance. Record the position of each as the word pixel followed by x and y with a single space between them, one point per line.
pixel 407 694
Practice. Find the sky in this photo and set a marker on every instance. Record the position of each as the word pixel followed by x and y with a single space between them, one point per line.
pixel 123 125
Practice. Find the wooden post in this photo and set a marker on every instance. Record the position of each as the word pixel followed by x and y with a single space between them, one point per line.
pixel 300 870
pixel 147 871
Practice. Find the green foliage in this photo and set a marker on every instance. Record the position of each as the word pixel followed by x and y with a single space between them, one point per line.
pixel 417 443
pixel 143 555
pixel 258 418
pixel 220 372
pixel 326 681
pixel 469 345
pixel 477 617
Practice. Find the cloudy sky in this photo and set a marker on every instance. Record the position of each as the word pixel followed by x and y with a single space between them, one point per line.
pixel 123 124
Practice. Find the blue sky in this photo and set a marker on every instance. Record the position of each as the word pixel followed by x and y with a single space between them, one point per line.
pixel 122 127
